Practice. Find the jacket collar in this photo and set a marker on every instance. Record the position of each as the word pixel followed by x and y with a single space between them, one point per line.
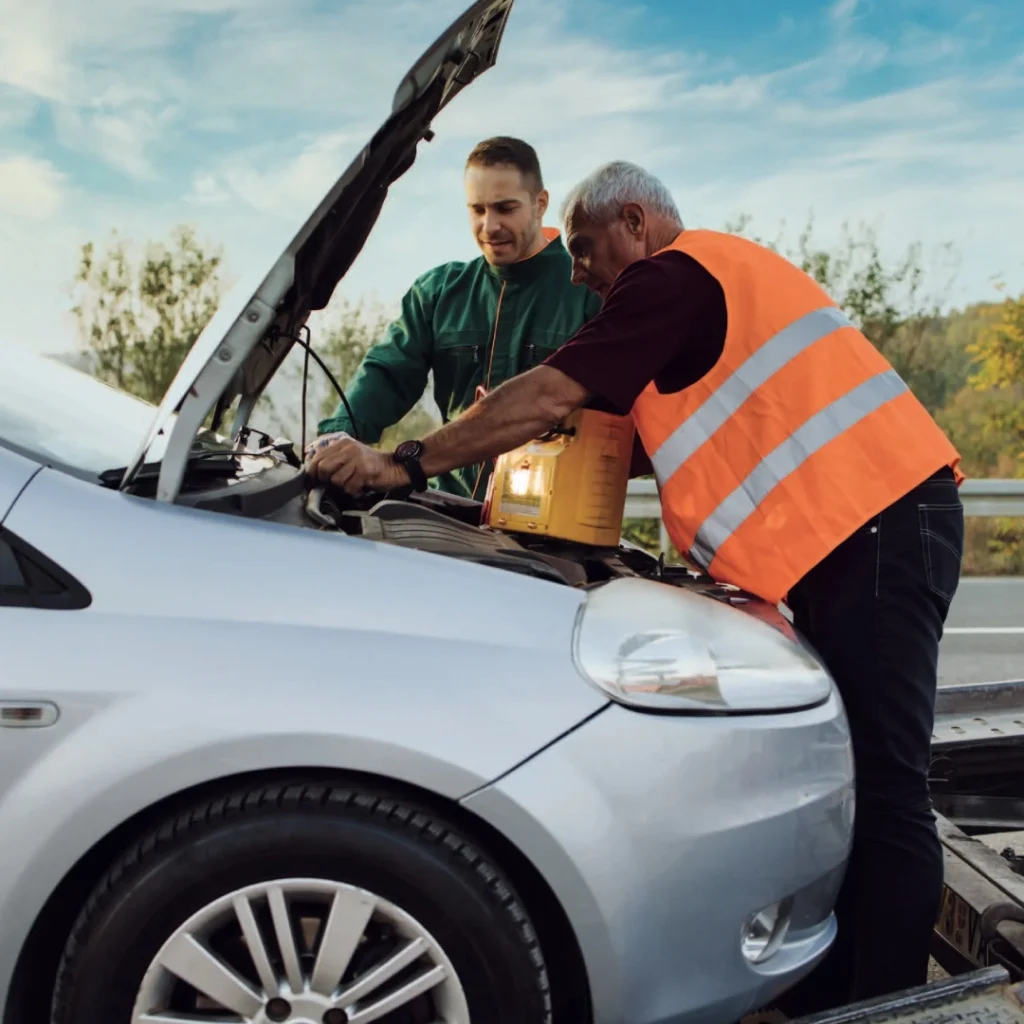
pixel 541 262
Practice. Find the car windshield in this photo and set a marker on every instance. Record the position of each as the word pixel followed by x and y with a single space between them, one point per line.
pixel 59 414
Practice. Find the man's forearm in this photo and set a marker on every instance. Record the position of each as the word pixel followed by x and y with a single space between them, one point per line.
pixel 521 409
pixel 513 414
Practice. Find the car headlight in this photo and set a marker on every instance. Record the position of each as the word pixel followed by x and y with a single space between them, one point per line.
pixel 653 646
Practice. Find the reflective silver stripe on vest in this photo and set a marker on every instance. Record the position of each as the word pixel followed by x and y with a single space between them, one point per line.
pixel 769 358
pixel 789 456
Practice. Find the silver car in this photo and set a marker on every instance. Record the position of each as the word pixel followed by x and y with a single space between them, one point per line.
pixel 270 755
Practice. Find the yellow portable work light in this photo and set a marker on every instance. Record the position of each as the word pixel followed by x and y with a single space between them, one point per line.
pixel 569 484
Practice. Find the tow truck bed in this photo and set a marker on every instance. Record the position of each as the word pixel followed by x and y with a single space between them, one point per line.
pixel 978 788
pixel 982 997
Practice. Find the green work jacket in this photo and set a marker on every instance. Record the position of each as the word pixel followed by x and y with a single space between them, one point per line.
pixel 471 324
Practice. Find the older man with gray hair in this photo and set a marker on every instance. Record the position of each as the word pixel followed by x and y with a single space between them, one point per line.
pixel 793 462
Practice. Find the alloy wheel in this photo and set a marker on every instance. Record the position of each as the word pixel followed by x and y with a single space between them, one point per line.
pixel 301 951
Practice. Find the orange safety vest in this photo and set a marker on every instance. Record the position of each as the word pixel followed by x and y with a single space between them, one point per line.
pixel 799 434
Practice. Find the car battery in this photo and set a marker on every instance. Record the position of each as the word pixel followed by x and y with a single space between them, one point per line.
pixel 569 484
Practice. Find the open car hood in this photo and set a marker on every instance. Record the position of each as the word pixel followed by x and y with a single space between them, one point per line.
pixel 255 327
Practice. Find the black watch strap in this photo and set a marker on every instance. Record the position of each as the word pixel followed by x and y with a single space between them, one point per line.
pixel 407 455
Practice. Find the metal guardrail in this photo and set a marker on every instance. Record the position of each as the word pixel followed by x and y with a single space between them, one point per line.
pixel 993 497
pixel 980 497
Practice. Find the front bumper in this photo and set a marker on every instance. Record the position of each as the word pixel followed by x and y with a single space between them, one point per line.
pixel 660 834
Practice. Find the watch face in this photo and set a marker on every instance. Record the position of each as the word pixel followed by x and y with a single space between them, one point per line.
pixel 409 450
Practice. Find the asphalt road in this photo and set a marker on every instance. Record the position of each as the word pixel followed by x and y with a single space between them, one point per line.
pixel 984 638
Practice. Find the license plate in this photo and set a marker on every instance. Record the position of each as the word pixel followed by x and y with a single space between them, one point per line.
pixel 960 925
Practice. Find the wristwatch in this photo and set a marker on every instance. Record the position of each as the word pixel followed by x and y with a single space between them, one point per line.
pixel 407 455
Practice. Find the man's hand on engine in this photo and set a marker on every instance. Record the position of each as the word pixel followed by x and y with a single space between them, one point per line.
pixel 354 467
pixel 322 442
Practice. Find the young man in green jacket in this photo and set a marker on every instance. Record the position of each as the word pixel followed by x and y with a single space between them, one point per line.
pixel 479 323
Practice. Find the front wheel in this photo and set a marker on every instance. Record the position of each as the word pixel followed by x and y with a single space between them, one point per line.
pixel 303 905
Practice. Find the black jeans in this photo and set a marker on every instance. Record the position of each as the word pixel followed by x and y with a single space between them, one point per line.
pixel 874 610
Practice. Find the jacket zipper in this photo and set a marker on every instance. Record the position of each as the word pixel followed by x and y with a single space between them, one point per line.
pixel 494 335
pixel 490 367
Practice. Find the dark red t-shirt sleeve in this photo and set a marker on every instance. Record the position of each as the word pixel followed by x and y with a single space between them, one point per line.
pixel 640 461
pixel 664 319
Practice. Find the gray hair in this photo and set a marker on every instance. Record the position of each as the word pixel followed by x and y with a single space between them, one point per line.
pixel 603 193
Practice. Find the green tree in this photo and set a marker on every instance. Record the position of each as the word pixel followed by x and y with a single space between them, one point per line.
pixel 976 422
pixel 987 423
pixel 353 330
pixel 138 315
pixel 999 350
pixel 887 300
pixel 341 336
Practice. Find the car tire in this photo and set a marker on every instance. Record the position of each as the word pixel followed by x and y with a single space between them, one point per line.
pixel 405 855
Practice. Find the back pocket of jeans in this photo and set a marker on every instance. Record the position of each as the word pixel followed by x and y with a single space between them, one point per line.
pixel 942 544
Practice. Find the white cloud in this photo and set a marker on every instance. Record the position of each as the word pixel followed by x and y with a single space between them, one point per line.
pixel 16 109
pixel 277 98
pixel 207 190
pixel 107 68
pixel 31 54
pixel 36 263
pixel 289 190
pixel 122 142
pixel 842 11
pixel 30 187
pixel 920 46
pixel 121 138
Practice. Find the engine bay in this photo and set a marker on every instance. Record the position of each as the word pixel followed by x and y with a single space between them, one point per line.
pixel 445 524
pixel 452 526
pixel 272 485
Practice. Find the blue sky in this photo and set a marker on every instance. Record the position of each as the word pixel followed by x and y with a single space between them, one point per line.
pixel 236 115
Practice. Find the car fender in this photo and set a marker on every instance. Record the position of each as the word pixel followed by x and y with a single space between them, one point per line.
pixel 135 753
pixel 215 646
